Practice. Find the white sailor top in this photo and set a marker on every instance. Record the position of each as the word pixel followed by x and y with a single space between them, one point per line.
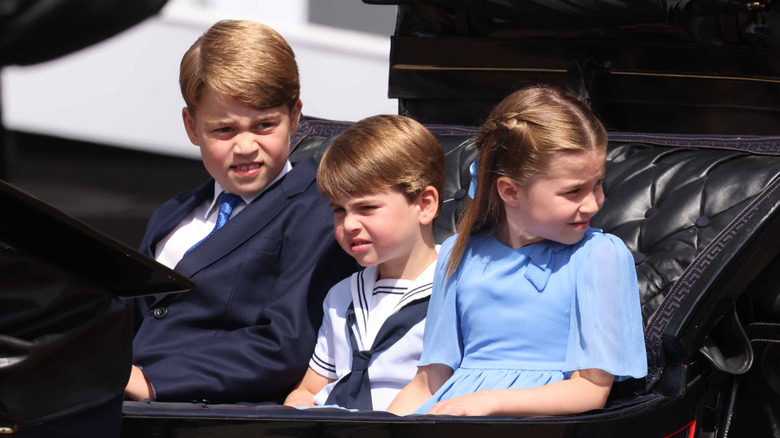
pixel 373 302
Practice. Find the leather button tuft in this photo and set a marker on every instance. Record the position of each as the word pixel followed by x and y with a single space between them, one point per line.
pixel 460 194
pixel 650 211
pixel 160 312
pixel 639 258
pixel 702 222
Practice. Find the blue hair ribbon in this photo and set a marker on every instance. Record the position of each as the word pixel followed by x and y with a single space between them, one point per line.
pixel 473 183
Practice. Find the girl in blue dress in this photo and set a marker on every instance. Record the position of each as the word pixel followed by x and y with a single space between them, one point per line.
pixel 533 312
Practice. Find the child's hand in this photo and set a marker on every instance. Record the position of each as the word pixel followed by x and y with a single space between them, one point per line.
pixel 303 394
pixel 586 390
pixel 477 403
pixel 300 402
pixel 138 387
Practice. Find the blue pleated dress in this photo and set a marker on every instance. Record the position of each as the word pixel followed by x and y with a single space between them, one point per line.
pixel 521 318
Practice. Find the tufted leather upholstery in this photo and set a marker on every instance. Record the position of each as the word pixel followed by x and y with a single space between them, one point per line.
pixel 668 203
pixel 675 206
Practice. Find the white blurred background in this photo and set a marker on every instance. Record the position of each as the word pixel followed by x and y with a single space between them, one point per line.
pixel 124 91
pixel 98 135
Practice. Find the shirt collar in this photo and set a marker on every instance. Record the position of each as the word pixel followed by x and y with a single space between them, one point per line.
pixel 247 199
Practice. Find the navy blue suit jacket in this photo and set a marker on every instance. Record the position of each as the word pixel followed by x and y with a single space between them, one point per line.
pixel 247 331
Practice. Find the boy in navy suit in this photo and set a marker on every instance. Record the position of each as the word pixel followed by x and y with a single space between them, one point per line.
pixel 370 339
pixel 255 238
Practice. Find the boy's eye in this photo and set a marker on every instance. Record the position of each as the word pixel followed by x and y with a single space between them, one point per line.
pixel 266 125
pixel 368 208
pixel 600 182
pixel 337 210
pixel 573 191
pixel 222 130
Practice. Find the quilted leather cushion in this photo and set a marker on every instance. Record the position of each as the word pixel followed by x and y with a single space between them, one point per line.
pixel 668 203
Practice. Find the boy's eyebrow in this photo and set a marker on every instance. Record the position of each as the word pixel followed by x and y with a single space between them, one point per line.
pixel 217 121
pixel 355 199
pixel 267 116
pixel 228 120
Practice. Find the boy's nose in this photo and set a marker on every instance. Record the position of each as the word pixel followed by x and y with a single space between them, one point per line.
pixel 244 144
pixel 351 223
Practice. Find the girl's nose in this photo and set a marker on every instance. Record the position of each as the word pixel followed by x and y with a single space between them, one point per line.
pixel 592 203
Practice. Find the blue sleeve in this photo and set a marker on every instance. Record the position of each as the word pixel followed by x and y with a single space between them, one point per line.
pixel 442 342
pixel 606 320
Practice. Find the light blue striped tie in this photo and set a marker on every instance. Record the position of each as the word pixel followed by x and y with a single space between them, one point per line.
pixel 227 202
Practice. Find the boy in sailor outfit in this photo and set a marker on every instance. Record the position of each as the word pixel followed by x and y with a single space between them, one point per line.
pixel 383 177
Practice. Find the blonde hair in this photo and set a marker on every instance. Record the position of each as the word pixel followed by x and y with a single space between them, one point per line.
pixel 380 153
pixel 245 60
pixel 519 139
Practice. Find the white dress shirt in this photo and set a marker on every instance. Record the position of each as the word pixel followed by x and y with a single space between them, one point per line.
pixel 199 223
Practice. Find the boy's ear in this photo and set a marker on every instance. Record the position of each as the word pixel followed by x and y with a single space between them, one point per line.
pixel 428 200
pixel 509 191
pixel 295 117
pixel 189 126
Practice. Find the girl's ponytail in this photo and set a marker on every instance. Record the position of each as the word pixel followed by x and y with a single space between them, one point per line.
pixel 495 137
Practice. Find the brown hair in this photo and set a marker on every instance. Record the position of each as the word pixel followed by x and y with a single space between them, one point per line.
pixel 243 59
pixel 379 153
pixel 519 140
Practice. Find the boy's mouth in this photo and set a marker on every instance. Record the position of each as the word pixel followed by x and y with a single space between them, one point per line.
pixel 247 170
pixel 247 167
pixel 358 245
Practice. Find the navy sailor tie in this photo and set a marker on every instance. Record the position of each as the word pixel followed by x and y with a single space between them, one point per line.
pixel 353 391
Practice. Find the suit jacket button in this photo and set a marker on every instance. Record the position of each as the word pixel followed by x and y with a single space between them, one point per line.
pixel 160 312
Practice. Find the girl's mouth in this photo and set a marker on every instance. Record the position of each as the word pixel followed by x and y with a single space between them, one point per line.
pixel 583 225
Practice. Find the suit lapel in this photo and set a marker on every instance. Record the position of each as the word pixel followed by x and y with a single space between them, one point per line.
pixel 250 221
pixel 185 202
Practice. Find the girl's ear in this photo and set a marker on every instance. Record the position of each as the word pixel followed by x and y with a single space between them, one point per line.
pixel 428 200
pixel 509 191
